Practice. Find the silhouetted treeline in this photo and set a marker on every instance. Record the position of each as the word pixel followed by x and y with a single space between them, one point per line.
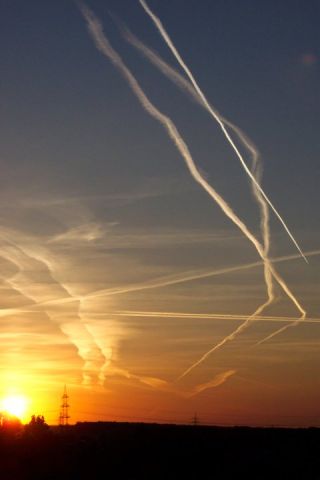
pixel 130 451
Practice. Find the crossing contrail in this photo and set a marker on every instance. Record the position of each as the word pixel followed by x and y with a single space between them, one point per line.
pixel 153 284
pixel 188 87
pixel 259 194
pixel 103 45
pixel 188 72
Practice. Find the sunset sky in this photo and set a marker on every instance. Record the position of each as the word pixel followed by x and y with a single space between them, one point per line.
pixel 118 271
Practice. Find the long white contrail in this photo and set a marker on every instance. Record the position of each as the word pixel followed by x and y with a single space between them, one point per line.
pixel 152 284
pixel 259 194
pixel 96 31
pixel 103 45
pixel 188 87
pixel 188 72
pixel 206 316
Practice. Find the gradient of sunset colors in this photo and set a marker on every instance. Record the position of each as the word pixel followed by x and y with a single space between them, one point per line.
pixel 118 272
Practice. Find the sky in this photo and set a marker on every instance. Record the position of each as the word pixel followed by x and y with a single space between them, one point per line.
pixel 119 271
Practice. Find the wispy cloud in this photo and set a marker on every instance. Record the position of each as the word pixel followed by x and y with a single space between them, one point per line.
pixel 169 387
pixel 214 383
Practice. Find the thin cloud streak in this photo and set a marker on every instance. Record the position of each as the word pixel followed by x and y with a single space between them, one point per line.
pixel 155 283
pixel 190 276
pixel 48 294
pixel 164 386
pixel 257 191
pixel 173 49
pixel 188 87
pixel 103 45
pixel 208 316
pixel 214 383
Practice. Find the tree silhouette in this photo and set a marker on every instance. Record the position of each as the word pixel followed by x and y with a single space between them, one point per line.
pixel 37 426
pixel 9 423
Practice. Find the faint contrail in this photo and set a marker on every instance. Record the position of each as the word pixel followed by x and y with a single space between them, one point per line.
pixel 207 316
pixel 214 114
pixel 157 283
pixel 282 329
pixel 215 382
pixel 245 324
pixel 76 332
pixel 96 356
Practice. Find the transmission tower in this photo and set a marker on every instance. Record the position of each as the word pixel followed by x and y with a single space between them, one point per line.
pixel 64 408
pixel 195 420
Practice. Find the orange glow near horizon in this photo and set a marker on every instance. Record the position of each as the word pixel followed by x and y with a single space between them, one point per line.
pixel 16 406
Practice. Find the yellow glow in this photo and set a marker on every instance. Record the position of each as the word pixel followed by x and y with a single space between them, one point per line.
pixel 15 405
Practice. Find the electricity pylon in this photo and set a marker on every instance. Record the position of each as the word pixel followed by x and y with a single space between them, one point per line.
pixel 64 409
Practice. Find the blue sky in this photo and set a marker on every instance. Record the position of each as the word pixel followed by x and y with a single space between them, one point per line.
pixel 94 196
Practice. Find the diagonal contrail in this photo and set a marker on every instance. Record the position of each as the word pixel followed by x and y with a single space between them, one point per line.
pixel 96 31
pixel 259 194
pixel 178 57
pixel 103 45
pixel 188 87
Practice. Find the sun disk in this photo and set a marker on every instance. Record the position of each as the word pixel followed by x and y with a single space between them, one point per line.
pixel 15 405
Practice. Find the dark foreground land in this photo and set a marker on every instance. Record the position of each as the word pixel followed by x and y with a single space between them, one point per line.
pixel 147 451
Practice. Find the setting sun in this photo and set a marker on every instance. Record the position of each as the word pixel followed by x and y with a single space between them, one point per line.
pixel 15 405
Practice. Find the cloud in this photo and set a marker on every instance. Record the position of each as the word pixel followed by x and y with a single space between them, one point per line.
pixel 89 232
pixel 215 382
pixel 169 387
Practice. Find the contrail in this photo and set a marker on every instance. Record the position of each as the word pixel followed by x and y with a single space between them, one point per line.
pixel 103 45
pixel 188 87
pixel 282 329
pixel 257 190
pixel 189 277
pixel 214 114
pixel 96 356
pixel 76 332
pixel 245 324
pixel 94 353
pixel 208 316
pixel 215 382
pixel 152 284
